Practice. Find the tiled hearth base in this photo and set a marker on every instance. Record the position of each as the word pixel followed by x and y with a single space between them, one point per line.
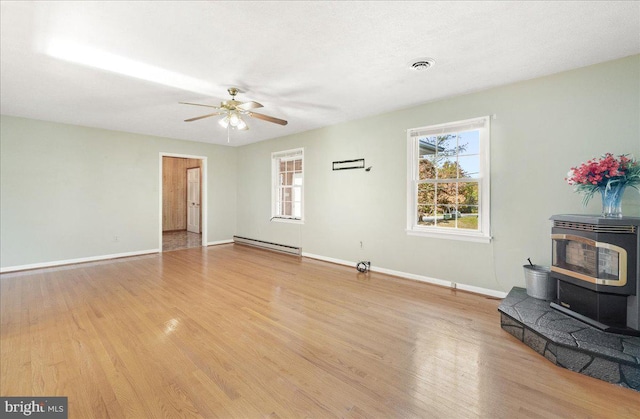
pixel 570 343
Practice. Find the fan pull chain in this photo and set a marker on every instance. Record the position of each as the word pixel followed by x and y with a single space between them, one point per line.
pixel 228 130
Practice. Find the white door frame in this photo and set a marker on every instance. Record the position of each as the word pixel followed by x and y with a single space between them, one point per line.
pixel 203 196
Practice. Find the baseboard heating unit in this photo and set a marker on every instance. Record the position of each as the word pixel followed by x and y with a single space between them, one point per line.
pixel 292 250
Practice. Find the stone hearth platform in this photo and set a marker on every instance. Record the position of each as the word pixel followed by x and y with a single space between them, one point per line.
pixel 570 343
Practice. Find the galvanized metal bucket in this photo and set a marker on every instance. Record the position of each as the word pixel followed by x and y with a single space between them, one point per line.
pixel 539 284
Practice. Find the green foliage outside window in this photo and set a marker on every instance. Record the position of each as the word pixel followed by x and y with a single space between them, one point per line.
pixel 447 192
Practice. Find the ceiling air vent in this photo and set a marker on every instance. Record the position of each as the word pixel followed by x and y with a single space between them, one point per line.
pixel 423 64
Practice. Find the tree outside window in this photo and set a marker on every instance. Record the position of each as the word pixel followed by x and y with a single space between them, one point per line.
pixel 447 190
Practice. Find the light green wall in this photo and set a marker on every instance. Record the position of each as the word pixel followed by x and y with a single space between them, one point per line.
pixel 66 191
pixel 542 128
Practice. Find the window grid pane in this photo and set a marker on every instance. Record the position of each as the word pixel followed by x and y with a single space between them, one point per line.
pixel 450 204
pixel 289 188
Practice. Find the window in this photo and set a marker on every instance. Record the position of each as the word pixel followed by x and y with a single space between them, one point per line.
pixel 448 180
pixel 288 186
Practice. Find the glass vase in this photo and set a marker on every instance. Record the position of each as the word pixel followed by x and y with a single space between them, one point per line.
pixel 612 200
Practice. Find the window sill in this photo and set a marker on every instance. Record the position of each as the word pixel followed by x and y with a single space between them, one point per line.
pixel 287 220
pixel 450 235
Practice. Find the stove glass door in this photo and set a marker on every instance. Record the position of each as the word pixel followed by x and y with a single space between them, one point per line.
pixel 588 260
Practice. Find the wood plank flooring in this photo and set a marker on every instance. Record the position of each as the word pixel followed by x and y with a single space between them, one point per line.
pixel 235 332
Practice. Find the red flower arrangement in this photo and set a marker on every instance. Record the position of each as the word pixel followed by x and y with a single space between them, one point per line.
pixel 604 174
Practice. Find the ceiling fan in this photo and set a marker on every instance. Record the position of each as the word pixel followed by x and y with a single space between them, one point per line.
pixel 233 112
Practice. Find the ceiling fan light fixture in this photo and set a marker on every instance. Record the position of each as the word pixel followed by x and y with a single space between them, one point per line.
pixel 232 112
pixel 224 122
pixel 242 125
pixel 234 119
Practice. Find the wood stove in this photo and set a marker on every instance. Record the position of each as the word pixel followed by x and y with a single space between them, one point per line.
pixel 595 261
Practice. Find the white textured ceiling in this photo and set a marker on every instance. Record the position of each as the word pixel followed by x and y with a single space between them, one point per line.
pixel 312 63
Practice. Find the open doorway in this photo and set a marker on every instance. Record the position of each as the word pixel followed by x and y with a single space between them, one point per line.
pixel 182 201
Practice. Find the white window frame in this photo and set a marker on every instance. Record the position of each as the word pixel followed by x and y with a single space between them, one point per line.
pixel 276 158
pixel 483 234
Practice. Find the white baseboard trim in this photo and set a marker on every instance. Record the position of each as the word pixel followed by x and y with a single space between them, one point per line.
pixel 421 278
pixel 220 242
pixel 483 291
pixel 92 259
pixel 78 260
pixel 328 259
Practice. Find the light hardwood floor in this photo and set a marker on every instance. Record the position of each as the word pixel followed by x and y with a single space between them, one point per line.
pixel 232 331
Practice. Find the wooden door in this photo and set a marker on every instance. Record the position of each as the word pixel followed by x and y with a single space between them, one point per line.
pixel 193 200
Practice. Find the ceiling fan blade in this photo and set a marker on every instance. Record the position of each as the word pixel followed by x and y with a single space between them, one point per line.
pixel 203 116
pixel 249 105
pixel 199 104
pixel 268 118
